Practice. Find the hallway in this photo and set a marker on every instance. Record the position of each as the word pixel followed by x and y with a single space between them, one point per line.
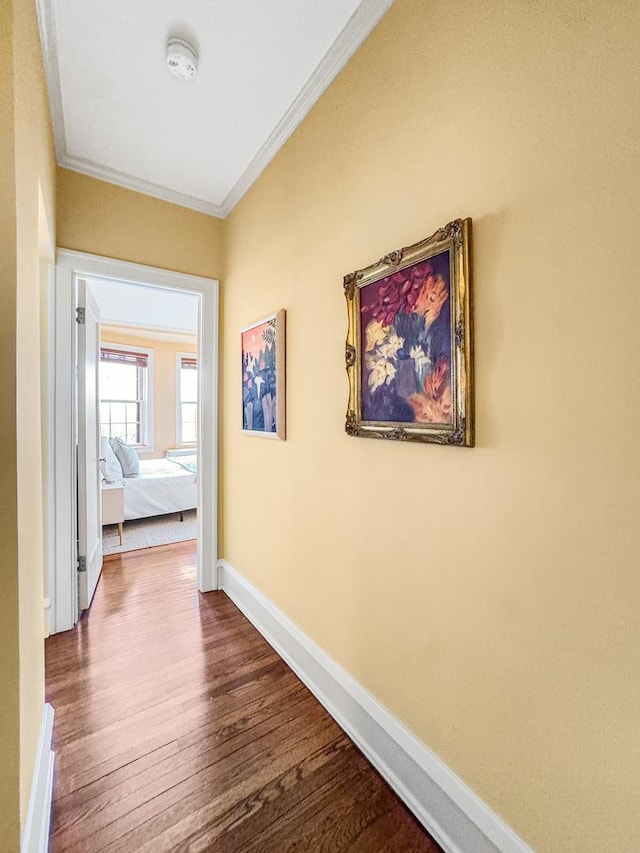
pixel 178 728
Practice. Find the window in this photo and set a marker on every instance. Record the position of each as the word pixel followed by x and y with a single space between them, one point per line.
pixel 125 404
pixel 187 398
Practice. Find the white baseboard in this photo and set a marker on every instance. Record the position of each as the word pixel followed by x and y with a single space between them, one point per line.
pixel 448 809
pixel 35 838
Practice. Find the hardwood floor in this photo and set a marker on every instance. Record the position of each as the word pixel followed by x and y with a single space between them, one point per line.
pixel 178 728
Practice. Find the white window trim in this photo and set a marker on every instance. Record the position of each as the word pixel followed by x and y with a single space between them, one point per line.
pixel 148 413
pixel 179 441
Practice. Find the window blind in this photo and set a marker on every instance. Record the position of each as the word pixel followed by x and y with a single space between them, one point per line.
pixel 140 359
pixel 188 363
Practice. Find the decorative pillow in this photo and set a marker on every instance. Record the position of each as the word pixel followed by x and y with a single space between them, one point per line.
pixel 127 457
pixel 111 467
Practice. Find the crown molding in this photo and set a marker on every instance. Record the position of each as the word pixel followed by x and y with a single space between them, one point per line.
pixel 140 185
pixel 47 28
pixel 356 30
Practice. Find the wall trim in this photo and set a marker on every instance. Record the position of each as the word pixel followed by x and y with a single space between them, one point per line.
pixel 355 31
pixel 139 185
pixel 49 42
pixel 35 838
pixel 448 809
pixel 358 27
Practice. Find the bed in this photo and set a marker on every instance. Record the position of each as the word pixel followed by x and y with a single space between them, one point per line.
pixel 163 486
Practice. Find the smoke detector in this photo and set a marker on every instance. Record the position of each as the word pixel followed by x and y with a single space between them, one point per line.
pixel 182 59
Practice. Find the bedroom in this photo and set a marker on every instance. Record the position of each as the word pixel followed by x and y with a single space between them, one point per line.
pixel 147 393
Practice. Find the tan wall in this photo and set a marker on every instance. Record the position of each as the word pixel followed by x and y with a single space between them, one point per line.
pixel 164 382
pixel 102 219
pixel 9 646
pixel 26 175
pixel 35 178
pixel 488 597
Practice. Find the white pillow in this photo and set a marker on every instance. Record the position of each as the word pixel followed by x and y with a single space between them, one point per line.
pixel 111 467
pixel 127 457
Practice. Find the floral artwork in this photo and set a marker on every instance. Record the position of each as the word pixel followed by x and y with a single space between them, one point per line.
pixel 406 328
pixel 409 348
pixel 263 377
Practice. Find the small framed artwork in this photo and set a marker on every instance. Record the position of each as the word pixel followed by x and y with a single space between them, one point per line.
pixel 409 349
pixel 263 377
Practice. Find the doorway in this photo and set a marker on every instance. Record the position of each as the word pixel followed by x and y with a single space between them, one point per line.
pixel 148 404
pixel 73 270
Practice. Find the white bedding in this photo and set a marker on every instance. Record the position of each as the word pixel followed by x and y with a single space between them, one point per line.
pixel 162 487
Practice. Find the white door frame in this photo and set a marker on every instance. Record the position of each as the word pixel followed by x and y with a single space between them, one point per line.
pixel 61 527
pixel 89 474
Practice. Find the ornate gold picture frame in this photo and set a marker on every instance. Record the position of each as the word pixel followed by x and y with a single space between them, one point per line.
pixel 409 349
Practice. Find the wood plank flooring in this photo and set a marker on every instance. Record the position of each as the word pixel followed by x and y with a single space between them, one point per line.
pixel 178 728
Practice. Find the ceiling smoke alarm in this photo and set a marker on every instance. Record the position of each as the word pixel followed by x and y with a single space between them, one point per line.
pixel 182 59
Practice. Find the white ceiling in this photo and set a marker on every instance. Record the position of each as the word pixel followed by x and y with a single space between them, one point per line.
pixel 120 115
pixel 143 306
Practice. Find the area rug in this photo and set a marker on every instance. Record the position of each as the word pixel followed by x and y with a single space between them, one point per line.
pixel 148 532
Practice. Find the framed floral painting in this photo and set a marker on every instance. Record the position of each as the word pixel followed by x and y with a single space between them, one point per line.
pixel 409 349
pixel 263 372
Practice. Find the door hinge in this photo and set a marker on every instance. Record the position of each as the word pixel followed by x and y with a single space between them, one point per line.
pixel 80 316
pixel 82 564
